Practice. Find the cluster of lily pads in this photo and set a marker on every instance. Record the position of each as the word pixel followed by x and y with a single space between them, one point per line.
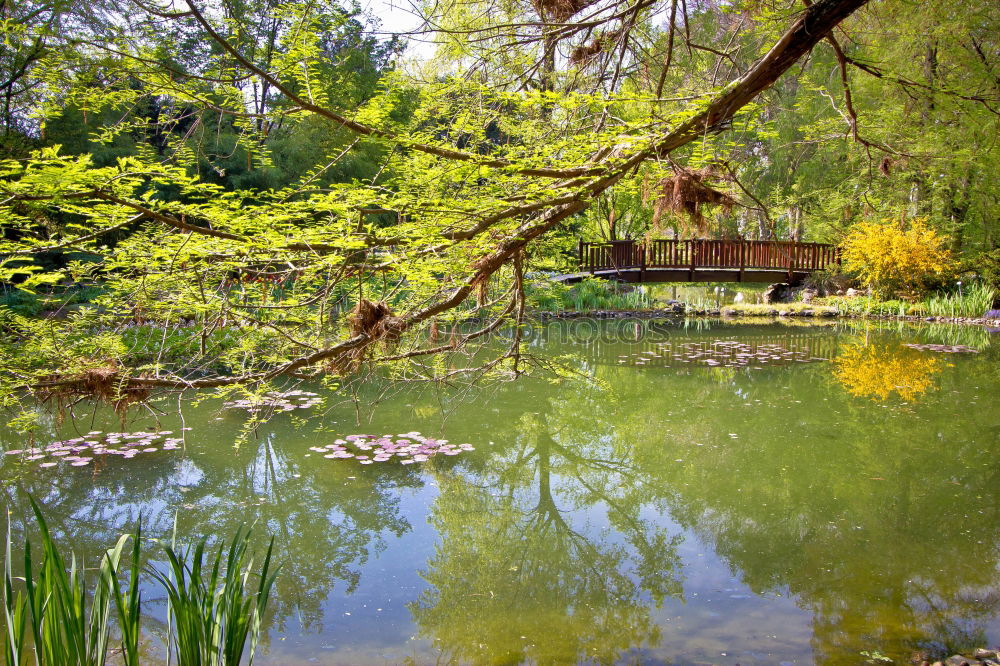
pixel 80 451
pixel 946 349
pixel 276 401
pixel 406 448
pixel 725 353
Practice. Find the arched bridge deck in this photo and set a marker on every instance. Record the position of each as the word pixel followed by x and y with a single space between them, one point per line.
pixel 702 261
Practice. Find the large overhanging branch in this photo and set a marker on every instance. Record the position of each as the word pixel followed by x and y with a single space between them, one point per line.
pixel 811 26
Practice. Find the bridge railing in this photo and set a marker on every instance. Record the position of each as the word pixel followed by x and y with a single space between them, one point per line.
pixel 699 253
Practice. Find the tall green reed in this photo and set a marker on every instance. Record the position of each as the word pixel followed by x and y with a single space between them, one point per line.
pixel 66 625
pixel 973 301
pixel 215 610
pixel 53 617
pixel 596 294
pixel 14 612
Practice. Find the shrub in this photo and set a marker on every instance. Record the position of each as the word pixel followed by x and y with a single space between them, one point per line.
pixel 890 260
pixel 827 281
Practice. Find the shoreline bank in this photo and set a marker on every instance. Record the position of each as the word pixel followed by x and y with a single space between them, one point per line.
pixel 767 312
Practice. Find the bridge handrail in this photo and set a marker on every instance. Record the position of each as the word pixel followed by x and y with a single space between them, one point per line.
pixel 707 253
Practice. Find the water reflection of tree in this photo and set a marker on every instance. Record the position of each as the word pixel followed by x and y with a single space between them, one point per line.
pixel 326 526
pixel 877 520
pixel 523 574
pixel 880 370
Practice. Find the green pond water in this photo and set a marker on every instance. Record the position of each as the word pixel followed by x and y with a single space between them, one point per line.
pixel 691 493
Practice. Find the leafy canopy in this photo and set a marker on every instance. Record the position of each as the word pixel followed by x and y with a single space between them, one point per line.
pixel 263 190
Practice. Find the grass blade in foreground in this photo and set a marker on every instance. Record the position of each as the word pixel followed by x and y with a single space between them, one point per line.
pixel 213 610
pixel 15 613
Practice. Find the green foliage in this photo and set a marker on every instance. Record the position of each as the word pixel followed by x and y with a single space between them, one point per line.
pixel 972 301
pixel 619 214
pixel 65 627
pixel 214 609
pixel 128 602
pixel 70 620
pixel 588 295
pixel 256 175
pixel 548 295
pixel 29 303
pixel 15 613
pixel 985 266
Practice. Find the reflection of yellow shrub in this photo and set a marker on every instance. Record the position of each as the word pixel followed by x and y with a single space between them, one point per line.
pixel 891 260
pixel 877 372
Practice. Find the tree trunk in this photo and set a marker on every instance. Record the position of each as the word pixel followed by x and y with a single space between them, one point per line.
pixel 763 230
pixel 958 209
pixel 795 229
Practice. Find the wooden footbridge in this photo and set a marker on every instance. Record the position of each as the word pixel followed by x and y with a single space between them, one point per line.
pixel 702 261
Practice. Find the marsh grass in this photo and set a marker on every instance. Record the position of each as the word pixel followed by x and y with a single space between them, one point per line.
pixel 66 625
pixel 869 306
pixel 15 610
pixel 58 616
pixel 974 301
pixel 770 310
pixel 215 610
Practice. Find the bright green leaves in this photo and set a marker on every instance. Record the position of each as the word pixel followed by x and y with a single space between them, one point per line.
pixel 238 182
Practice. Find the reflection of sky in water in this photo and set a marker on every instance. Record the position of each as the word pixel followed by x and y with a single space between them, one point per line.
pixel 783 514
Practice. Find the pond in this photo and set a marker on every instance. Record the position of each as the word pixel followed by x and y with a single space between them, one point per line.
pixel 686 493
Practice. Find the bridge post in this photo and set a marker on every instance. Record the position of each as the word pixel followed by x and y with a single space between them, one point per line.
pixel 743 258
pixel 692 246
pixel 580 253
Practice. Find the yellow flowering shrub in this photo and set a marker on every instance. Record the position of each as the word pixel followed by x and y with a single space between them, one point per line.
pixel 890 260
pixel 876 372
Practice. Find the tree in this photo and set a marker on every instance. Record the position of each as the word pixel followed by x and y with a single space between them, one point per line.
pixel 407 249
pixel 900 124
